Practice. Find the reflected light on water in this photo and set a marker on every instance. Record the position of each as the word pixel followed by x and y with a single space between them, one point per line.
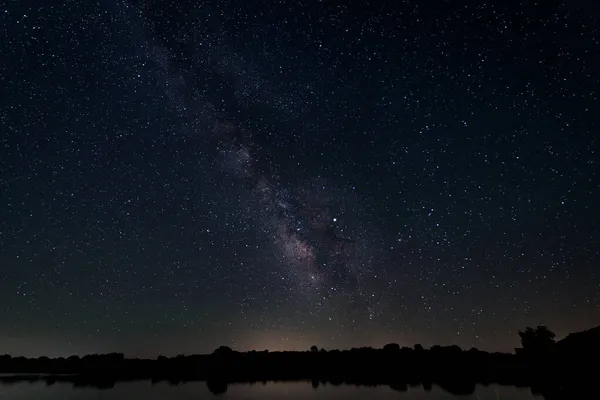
pixel 270 390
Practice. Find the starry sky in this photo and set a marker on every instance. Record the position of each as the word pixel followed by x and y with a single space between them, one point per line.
pixel 175 176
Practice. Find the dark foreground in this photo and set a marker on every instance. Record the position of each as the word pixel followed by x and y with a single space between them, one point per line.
pixel 553 375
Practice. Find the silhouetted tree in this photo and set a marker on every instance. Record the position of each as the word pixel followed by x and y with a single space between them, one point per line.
pixel 454 348
pixel 217 387
pixel 391 347
pixel 538 340
pixel 314 348
pixel 418 347
pixel 222 350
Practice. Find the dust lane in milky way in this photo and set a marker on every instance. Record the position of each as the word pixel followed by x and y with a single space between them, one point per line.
pixel 300 224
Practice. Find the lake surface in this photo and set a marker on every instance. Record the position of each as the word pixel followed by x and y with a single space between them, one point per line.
pixel 271 390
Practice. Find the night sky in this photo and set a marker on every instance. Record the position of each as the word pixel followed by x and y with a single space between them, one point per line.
pixel 179 175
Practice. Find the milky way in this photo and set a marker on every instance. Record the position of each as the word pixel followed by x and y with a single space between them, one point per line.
pixel 304 225
pixel 180 175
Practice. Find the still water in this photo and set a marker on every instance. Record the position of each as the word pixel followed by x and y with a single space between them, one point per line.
pixel 272 390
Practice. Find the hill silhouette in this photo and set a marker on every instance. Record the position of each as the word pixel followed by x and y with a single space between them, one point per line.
pixel 556 370
pixel 581 343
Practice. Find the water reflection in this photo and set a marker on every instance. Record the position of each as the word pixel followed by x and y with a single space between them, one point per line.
pixel 270 390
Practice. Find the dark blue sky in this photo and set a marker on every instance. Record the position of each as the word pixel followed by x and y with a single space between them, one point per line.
pixel 176 176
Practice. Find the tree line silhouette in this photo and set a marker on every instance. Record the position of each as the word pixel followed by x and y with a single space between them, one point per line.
pixel 554 369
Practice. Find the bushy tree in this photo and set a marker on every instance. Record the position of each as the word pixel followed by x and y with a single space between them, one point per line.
pixel 391 347
pixel 223 350
pixel 538 340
